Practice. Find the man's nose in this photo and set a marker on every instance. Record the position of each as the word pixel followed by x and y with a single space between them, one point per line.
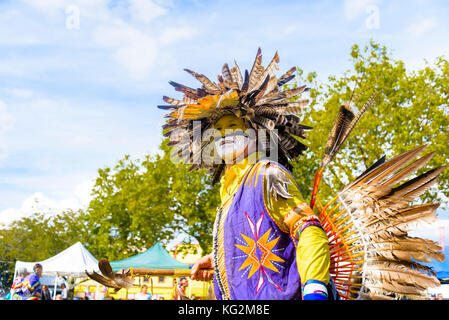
pixel 223 132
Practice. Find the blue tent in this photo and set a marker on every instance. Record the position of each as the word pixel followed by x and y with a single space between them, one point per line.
pixel 441 268
pixel 154 258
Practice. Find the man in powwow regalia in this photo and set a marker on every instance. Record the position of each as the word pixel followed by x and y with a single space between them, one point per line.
pixel 268 243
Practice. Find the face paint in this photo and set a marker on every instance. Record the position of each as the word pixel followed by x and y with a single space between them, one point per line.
pixel 231 146
pixel 232 141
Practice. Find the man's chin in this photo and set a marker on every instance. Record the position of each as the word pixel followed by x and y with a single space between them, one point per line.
pixel 229 159
pixel 233 158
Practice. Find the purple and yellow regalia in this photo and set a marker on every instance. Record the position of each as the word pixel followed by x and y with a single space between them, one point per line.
pixel 254 254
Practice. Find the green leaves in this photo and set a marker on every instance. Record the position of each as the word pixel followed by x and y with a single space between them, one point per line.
pixel 131 207
pixel 38 238
pixel 140 202
pixel 411 109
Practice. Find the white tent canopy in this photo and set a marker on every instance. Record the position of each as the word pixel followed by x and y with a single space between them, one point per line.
pixel 73 261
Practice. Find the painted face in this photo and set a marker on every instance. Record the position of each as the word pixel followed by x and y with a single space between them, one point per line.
pixel 38 270
pixel 232 140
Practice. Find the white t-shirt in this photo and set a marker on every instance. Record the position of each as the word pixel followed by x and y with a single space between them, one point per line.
pixel 142 296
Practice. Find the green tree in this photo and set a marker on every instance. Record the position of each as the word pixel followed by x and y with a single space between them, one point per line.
pixel 195 203
pixel 138 203
pixel 131 207
pixel 40 237
pixel 410 109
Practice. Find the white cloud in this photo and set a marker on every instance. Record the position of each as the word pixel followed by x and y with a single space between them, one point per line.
pixel 289 30
pixel 48 7
pixel 118 32
pixel 6 120
pixel 55 8
pixel 138 57
pixel 354 8
pixel 171 35
pixel 120 45
pixel 134 50
pixel 421 27
pixel 20 93
pixel 40 203
pixel 80 197
pixel 57 142
pixel 145 11
pixel 434 231
pixel 6 124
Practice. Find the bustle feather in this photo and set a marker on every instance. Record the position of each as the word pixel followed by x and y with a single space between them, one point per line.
pixel 109 278
pixel 374 216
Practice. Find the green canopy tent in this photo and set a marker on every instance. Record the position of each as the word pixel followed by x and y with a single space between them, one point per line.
pixel 154 258
pixel 155 261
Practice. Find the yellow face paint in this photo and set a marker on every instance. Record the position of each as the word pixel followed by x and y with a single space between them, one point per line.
pixel 229 122
pixel 230 143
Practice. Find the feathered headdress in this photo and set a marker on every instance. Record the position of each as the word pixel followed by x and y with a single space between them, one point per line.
pixel 257 97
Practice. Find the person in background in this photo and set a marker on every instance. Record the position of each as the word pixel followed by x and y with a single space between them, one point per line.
pixel 181 289
pixel 16 287
pixel 143 294
pixel 64 292
pixel 440 296
pixel 31 287
pixel 80 296
pixel 46 294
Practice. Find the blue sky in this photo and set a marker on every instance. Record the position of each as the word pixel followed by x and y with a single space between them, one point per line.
pixel 80 79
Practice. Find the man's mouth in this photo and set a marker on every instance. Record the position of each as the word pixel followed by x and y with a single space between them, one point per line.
pixel 224 141
pixel 230 138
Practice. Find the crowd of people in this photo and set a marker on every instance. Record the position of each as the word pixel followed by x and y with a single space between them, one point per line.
pixel 27 286
pixel 180 292
pixel 438 296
